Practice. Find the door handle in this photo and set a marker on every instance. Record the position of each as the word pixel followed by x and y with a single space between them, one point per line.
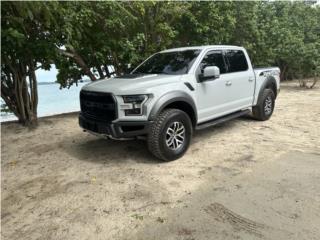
pixel 251 79
pixel 228 83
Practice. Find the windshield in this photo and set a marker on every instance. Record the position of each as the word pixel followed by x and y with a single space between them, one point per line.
pixel 168 63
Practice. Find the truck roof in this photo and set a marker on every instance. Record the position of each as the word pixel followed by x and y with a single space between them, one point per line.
pixel 202 48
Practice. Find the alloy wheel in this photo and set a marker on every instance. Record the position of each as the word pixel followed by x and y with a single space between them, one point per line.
pixel 268 105
pixel 175 135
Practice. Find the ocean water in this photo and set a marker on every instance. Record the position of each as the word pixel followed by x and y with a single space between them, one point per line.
pixel 53 100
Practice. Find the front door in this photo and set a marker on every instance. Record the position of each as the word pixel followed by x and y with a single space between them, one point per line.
pixel 213 95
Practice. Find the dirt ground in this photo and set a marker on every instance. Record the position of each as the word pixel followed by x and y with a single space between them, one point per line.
pixel 243 179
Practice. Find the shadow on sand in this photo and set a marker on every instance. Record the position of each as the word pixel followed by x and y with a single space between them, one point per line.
pixel 99 150
pixel 94 149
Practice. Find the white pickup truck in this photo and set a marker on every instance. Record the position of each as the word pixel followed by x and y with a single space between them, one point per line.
pixel 175 92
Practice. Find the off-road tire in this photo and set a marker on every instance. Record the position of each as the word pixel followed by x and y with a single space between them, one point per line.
pixel 258 111
pixel 158 133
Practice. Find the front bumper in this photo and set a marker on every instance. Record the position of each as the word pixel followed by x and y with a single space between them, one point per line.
pixel 118 130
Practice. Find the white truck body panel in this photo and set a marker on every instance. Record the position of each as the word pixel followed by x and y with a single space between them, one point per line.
pixel 229 93
pixel 260 76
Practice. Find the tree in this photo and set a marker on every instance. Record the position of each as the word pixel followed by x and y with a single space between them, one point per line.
pixel 204 23
pixel 95 35
pixel 26 42
pixel 289 37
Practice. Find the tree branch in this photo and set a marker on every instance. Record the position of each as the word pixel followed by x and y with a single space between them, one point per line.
pixel 78 59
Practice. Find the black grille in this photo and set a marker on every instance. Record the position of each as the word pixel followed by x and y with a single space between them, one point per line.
pixel 98 106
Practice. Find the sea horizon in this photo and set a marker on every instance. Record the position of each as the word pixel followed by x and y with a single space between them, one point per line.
pixel 52 100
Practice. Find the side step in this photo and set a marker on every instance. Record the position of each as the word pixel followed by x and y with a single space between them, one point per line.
pixel 222 119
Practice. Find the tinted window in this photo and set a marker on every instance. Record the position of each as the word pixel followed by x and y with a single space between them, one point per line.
pixel 237 61
pixel 169 62
pixel 214 58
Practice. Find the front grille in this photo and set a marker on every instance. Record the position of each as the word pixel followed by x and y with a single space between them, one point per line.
pixel 98 106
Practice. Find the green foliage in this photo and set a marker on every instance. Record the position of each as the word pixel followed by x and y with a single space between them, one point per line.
pixel 26 31
pixel 123 33
pixel 206 23
pixel 91 35
pixel 290 37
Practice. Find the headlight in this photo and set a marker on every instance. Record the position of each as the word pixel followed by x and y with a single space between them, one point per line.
pixel 134 98
pixel 133 104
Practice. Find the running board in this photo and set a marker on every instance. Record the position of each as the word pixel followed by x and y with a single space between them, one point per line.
pixel 222 119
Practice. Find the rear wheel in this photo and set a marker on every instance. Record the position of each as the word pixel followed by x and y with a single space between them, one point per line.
pixel 265 106
pixel 170 135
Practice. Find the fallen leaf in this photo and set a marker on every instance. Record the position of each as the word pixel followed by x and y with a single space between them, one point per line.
pixel 161 220
pixel 93 179
pixel 138 217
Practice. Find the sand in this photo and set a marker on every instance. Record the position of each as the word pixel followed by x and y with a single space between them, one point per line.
pixel 243 179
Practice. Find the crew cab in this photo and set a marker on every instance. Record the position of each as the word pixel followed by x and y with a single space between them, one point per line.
pixel 175 92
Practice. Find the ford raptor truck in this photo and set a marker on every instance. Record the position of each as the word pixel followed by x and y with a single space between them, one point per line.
pixel 175 92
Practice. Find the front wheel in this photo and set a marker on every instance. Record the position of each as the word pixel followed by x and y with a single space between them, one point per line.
pixel 265 106
pixel 170 135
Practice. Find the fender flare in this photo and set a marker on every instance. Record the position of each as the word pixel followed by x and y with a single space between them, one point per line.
pixel 171 97
pixel 271 83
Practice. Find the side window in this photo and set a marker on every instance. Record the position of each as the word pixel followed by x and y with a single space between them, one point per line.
pixel 214 58
pixel 237 60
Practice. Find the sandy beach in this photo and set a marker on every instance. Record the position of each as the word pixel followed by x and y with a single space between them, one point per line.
pixel 243 179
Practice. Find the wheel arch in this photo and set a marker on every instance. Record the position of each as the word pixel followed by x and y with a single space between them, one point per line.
pixel 269 83
pixel 178 100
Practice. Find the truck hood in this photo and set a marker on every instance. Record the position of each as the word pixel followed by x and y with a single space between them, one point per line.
pixel 131 84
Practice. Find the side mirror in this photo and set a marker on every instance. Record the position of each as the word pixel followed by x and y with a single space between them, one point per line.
pixel 210 73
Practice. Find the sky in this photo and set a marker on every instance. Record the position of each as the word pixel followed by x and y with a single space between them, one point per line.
pixel 47 76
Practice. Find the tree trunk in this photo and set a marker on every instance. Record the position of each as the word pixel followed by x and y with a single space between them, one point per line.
pixel 283 73
pixel 34 90
pixel 21 98
pixel 315 80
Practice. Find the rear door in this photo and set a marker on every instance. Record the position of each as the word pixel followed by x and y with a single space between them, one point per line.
pixel 241 79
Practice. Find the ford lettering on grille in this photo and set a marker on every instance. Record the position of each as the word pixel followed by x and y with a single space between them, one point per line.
pixel 106 106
